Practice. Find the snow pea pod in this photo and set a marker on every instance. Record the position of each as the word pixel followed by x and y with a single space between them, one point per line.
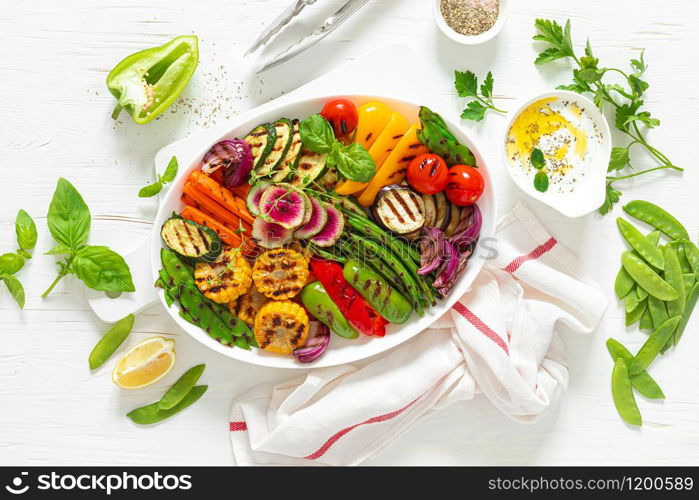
pixel 692 253
pixel 636 314
pixel 623 284
pixel 673 276
pixel 657 217
pixel 647 250
pixel 652 347
pixel 632 300
pixel 181 388
pixel 111 341
pixel 647 278
pixel 689 280
pixel 689 309
pixel 642 382
pixel 646 321
pixel 175 268
pixel 385 299
pixel 641 293
pixel 196 306
pixel 658 311
pixel 622 393
pixel 316 299
pixel 152 413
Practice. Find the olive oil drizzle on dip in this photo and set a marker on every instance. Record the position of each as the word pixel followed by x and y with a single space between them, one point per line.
pixel 563 131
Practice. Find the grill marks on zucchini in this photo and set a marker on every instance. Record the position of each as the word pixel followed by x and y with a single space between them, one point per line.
pixel 284 137
pixel 261 140
pixel 287 164
pixel 309 167
pixel 190 239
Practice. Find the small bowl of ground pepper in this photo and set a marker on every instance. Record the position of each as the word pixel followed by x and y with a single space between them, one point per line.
pixel 471 22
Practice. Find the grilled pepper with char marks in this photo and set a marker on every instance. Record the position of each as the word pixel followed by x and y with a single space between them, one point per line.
pixel 316 299
pixel 383 297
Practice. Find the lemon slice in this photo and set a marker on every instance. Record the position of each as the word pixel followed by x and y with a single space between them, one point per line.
pixel 145 363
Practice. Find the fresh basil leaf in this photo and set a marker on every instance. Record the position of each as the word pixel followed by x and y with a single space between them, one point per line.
pixel 68 217
pixel 58 250
pixel 15 288
pixel 541 182
pixel 103 269
pixel 537 158
pixel 619 159
pixel 466 83
pixel 25 230
pixel 10 263
pixel 150 190
pixel 171 171
pixel 317 134
pixel 474 111
pixel 354 163
pixel 24 253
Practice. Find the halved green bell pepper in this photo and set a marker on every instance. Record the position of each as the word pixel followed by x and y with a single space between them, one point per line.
pixel 147 82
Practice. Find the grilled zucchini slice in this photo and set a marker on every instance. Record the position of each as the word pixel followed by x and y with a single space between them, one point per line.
pixel 284 136
pixel 309 167
pixel 191 240
pixel 226 278
pixel 261 140
pixel 287 164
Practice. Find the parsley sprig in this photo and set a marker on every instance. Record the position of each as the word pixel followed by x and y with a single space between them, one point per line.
pixel 627 101
pixel 466 83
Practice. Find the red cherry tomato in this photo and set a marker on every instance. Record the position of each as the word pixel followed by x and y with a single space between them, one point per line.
pixel 465 185
pixel 342 116
pixel 427 174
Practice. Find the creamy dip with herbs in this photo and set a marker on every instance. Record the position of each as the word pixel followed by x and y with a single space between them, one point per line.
pixel 564 132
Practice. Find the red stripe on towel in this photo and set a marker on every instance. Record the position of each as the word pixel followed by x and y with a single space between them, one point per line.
pixel 238 426
pixel 533 255
pixel 335 437
pixel 480 326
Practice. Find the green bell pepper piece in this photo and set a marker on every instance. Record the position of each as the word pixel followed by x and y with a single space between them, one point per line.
pixel 148 82
pixel 316 299
pixel 383 297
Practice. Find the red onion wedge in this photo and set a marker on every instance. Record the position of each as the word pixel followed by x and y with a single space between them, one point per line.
pixel 430 250
pixel 317 343
pixel 235 157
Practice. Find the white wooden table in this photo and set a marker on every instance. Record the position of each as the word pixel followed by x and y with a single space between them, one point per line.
pixel 55 122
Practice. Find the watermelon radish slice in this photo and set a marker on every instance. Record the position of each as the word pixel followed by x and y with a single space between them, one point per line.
pixel 332 230
pixel 254 197
pixel 269 234
pixel 283 205
pixel 317 221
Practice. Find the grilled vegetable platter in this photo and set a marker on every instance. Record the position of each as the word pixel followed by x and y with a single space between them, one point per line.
pixel 311 228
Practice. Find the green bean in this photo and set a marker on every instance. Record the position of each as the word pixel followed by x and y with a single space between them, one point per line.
pixel 673 276
pixel 658 218
pixel 692 253
pixel 646 321
pixel 652 347
pixel 642 382
pixel 658 311
pixel 635 315
pixel 111 341
pixel 689 308
pixel 181 388
pixel 647 250
pixel 623 284
pixel 622 393
pixel 368 228
pixel 327 254
pixel 152 413
pixel 647 278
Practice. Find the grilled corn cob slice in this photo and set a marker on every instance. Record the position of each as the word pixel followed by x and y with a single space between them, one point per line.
pixel 250 304
pixel 280 274
pixel 281 327
pixel 226 278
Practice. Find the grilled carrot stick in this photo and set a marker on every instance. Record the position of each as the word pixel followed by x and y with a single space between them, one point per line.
pixel 222 195
pixel 219 213
pixel 226 234
pixel 189 201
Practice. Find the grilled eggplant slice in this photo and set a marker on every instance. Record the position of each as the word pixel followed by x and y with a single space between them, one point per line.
pixel 261 140
pixel 191 240
pixel 284 136
pixel 430 210
pixel 309 167
pixel 400 209
pixel 454 221
pixel 443 210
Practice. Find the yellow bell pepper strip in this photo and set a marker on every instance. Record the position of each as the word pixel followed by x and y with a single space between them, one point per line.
pixel 379 151
pixel 373 118
pixel 148 82
pixel 396 165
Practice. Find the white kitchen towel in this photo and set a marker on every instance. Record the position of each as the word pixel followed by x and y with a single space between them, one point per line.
pixel 500 339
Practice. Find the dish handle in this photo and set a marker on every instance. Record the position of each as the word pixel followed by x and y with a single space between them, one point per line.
pixel 112 309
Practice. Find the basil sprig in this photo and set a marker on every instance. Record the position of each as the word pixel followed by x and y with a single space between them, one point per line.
pixel 352 161
pixel 168 176
pixel 11 263
pixel 97 266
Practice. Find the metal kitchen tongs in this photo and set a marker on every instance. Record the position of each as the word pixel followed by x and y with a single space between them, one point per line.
pixel 342 14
